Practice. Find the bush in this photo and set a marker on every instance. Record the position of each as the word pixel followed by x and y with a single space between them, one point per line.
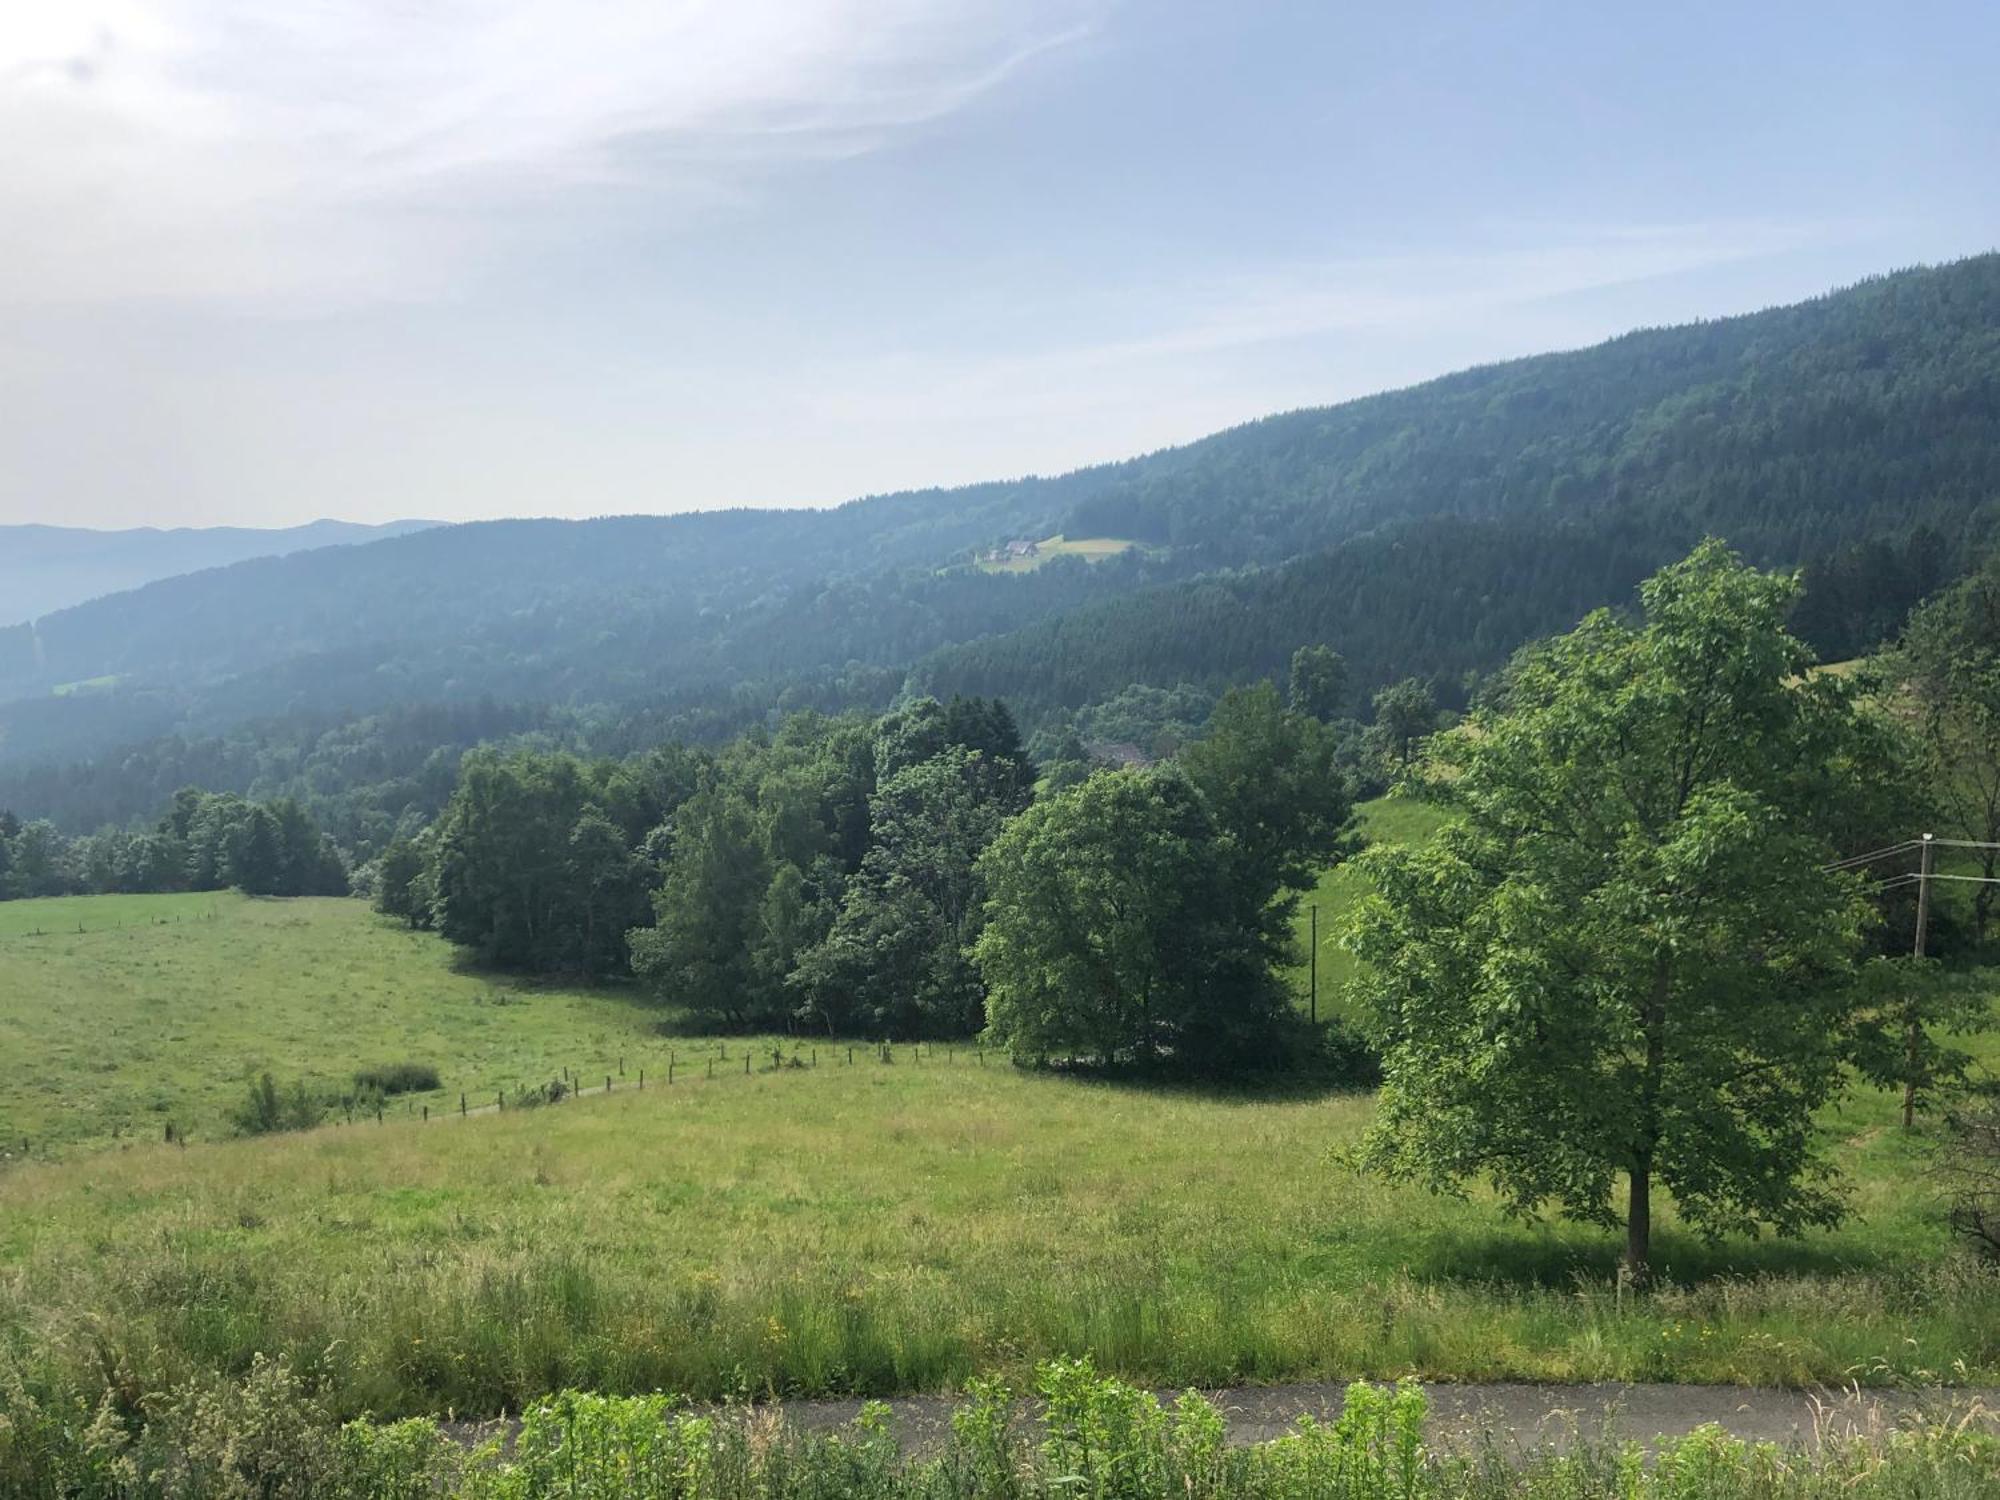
pixel 1970 1169
pixel 1348 1057
pixel 269 1109
pixel 391 1079
pixel 552 1092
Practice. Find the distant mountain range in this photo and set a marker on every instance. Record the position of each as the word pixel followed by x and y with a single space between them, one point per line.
pixel 1426 532
pixel 47 568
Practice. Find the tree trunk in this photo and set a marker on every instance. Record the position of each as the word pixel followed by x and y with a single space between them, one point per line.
pixel 1639 1205
pixel 1639 1226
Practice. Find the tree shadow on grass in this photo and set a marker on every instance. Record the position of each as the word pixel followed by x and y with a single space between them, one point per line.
pixel 517 985
pixel 1279 1086
pixel 1572 1256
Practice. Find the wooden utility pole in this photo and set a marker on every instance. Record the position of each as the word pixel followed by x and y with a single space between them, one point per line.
pixel 1315 963
pixel 1913 1038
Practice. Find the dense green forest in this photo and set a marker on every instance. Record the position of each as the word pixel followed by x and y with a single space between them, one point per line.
pixel 836 877
pixel 205 841
pixel 1424 533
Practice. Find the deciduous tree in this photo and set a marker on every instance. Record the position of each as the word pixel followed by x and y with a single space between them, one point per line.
pixel 1625 959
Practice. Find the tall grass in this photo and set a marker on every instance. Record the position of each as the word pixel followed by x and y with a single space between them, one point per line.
pixel 851 1227
pixel 874 1229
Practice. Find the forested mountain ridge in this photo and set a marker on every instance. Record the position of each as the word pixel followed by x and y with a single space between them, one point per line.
pixel 1789 431
pixel 47 568
pixel 1426 531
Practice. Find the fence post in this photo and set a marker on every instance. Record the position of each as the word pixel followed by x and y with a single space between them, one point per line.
pixel 711 1068
pixel 607 1083
pixel 746 1062
pixel 427 1114
pixel 642 1080
pixel 461 1106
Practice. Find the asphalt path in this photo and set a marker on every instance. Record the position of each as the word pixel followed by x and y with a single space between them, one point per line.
pixel 1525 1416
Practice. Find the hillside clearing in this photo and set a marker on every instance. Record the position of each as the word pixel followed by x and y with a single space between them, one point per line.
pixel 1089 548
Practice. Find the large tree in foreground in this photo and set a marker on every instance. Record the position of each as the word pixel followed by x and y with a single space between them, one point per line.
pixel 1625 963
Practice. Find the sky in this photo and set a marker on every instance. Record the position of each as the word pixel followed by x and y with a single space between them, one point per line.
pixel 266 262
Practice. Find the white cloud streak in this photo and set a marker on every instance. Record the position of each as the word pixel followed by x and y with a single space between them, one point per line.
pixel 324 151
pixel 1192 326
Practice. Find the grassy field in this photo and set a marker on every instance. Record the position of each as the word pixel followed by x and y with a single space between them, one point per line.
pixel 123 1013
pixel 1386 820
pixel 859 1226
pixel 878 1227
pixel 1090 549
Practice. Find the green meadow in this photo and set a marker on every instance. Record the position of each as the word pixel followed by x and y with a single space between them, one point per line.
pixel 868 1226
pixel 1386 820
pixel 827 1221
pixel 122 1014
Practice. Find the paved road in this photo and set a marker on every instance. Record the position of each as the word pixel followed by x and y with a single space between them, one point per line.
pixel 1530 1415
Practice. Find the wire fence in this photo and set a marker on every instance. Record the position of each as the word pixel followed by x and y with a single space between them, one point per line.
pixel 701 1065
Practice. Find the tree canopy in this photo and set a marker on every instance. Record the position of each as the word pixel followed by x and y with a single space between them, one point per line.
pixel 1626 957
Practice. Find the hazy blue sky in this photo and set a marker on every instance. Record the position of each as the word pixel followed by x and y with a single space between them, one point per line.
pixel 266 261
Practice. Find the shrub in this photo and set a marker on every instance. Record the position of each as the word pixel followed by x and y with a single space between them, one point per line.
pixel 391 1079
pixel 269 1109
pixel 1970 1169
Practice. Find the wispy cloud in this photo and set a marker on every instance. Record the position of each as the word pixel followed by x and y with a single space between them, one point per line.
pixel 320 149
pixel 1191 324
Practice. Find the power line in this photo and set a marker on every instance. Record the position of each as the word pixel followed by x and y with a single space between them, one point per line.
pixel 1875 854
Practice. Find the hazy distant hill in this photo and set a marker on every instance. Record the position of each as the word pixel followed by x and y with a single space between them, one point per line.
pixel 1426 531
pixel 47 568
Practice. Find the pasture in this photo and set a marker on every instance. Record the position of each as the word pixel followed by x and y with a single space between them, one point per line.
pixel 122 1014
pixel 875 1227
pixel 805 1223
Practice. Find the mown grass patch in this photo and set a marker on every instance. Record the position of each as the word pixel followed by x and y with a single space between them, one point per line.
pixel 1089 548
